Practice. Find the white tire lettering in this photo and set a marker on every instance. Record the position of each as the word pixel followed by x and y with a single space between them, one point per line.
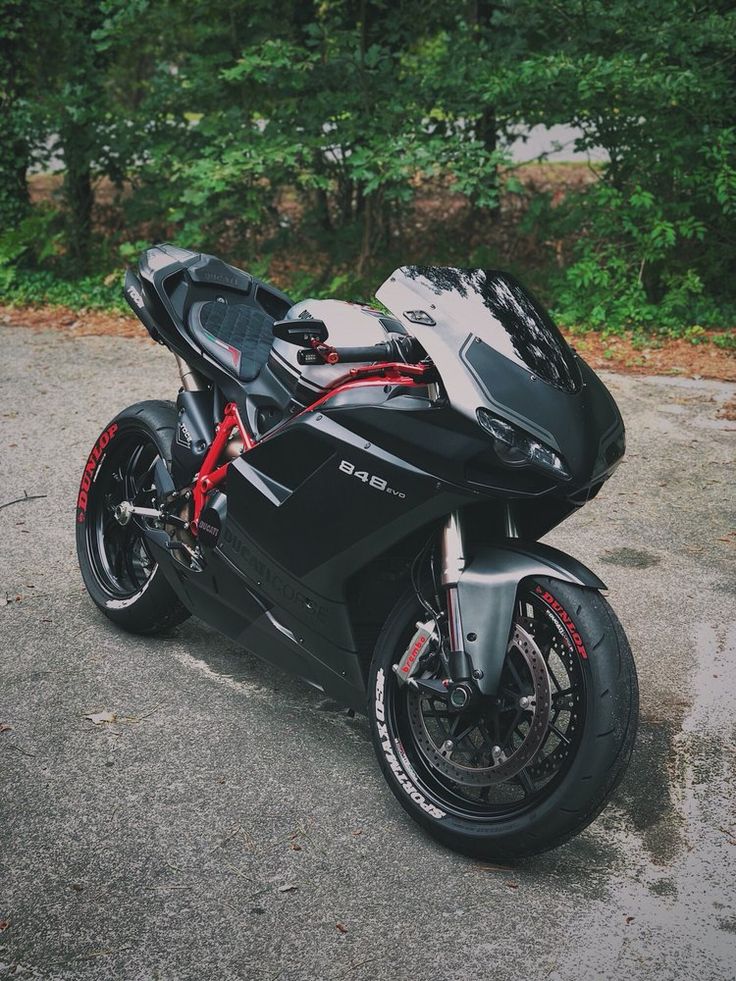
pixel 403 780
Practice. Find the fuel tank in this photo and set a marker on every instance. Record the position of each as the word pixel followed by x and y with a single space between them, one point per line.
pixel 349 325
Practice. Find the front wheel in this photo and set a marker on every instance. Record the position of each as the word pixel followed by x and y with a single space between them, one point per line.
pixel 520 773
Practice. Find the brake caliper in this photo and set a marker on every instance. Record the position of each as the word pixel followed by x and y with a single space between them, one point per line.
pixel 418 646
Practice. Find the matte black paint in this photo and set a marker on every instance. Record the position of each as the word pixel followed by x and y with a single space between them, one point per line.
pixel 301 538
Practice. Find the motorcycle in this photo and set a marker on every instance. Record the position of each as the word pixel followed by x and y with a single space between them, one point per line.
pixel 356 495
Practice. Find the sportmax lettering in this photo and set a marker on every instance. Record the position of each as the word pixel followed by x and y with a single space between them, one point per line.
pixel 404 782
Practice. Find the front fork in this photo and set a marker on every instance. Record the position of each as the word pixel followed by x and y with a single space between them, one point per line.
pixel 453 566
pixel 481 599
pixel 464 675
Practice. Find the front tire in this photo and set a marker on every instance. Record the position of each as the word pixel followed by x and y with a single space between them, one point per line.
pixel 462 796
pixel 117 567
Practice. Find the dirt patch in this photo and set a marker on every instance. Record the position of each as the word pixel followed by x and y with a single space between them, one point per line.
pixel 672 357
pixel 666 357
pixel 728 411
pixel 73 323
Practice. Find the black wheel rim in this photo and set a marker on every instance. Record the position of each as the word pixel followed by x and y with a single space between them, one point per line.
pixel 119 555
pixel 477 732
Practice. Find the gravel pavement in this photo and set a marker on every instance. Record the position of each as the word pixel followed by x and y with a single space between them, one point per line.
pixel 233 824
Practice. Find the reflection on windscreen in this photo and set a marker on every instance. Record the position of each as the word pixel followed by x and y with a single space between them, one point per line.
pixel 495 307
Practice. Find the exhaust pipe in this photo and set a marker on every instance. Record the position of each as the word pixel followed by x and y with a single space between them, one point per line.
pixel 190 380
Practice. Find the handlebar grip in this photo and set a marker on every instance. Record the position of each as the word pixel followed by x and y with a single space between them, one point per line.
pixel 376 352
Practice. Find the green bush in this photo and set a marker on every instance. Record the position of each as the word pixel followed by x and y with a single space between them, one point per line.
pixel 34 287
pixel 258 129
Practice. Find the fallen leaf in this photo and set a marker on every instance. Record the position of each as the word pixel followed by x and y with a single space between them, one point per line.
pixel 295 847
pixel 358 832
pixel 288 888
pixel 512 885
pixel 97 718
pixel 4 727
pixel 341 927
pixel 629 919
pixel 77 887
pixel 4 924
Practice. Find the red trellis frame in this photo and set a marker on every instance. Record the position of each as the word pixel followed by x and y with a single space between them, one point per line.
pixel 212 472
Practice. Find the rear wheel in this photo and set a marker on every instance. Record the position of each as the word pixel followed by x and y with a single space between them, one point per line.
pixel 117 566
pixel 522 772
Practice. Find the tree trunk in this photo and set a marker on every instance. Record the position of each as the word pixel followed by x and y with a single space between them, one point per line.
pixel 323 209
pixel 487 126
pixel 14 198
pixel 321 200
pixel 14 148
pixel 374 228
pixel 78 193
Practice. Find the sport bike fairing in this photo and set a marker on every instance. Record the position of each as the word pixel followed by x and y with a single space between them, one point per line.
pixel 495 347
pixel 375 529
pixel 328 501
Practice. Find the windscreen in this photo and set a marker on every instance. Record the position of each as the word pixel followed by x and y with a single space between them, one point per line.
pixel 496 308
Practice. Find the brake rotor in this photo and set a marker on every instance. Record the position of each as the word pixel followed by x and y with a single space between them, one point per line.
pixel 499 756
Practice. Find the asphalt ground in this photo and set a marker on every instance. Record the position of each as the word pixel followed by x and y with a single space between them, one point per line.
pixel 233 824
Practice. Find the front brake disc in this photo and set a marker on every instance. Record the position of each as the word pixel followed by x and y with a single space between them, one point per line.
pixel 496 761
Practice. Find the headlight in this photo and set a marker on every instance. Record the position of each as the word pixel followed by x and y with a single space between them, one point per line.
pixel 516 447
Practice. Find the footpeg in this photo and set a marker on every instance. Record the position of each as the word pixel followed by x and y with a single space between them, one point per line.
pixel 418 646
pixel 124 511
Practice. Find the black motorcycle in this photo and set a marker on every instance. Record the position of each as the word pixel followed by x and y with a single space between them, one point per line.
pixel 357 496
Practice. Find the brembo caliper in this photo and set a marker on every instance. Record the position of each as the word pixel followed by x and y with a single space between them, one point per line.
pixel 418 645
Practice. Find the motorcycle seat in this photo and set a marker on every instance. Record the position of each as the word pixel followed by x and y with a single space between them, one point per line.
pixel 238 336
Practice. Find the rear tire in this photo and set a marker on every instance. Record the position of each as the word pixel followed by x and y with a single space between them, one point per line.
pixel 581 778
pixel 120 575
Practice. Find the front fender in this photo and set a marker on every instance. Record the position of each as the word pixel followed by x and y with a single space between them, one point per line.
pixel 487 595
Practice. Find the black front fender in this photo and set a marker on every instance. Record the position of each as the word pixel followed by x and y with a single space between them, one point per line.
pixel 487 594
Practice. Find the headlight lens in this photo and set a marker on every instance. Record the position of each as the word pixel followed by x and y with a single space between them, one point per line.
pixel 516 447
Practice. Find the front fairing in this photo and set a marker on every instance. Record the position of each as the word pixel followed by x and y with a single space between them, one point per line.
pixel 495 347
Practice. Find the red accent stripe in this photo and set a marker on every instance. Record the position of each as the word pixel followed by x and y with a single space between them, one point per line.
pixel 210 474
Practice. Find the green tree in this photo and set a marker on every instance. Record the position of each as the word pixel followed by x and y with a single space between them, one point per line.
pixel 655 86
pixel 16 124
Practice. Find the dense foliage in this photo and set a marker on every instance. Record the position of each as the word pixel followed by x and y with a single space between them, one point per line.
pixel 301 135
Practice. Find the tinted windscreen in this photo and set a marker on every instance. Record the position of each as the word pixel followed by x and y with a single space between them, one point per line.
pixel 495 307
